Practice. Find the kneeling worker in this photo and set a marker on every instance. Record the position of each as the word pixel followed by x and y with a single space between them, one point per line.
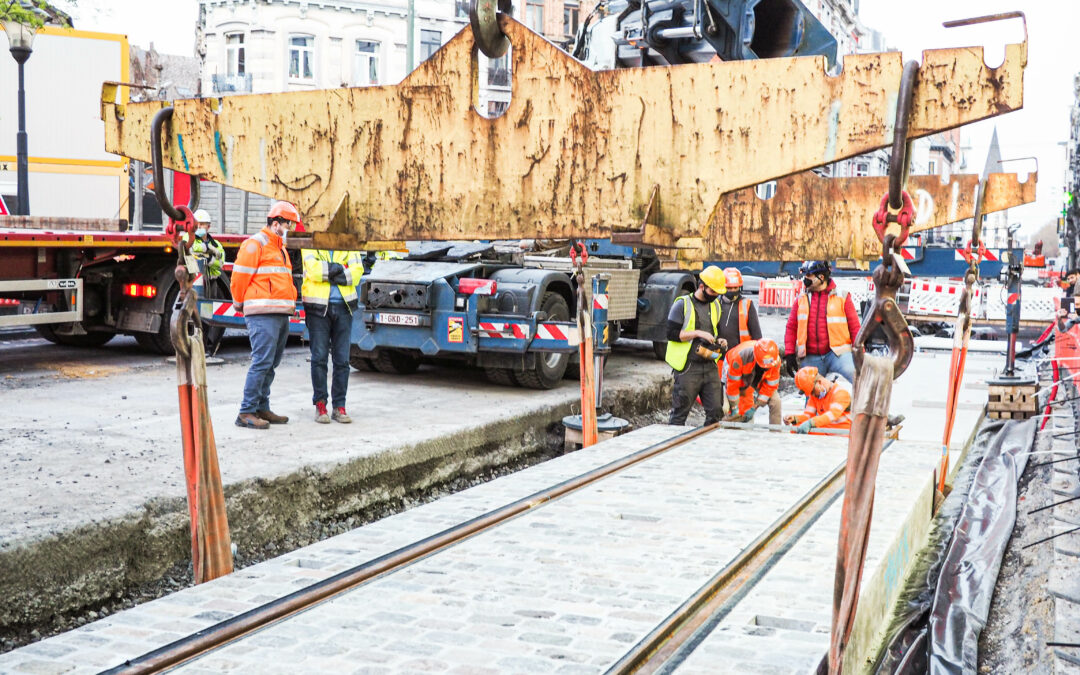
pixel 828 402
pixel 753 376
pixel 691 348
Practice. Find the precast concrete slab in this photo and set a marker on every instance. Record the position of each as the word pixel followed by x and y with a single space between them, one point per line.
pixel 94 500
pixel 782 624
pixel 569 586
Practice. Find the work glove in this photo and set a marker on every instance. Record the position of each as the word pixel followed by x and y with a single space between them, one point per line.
pixel 368 262
pixel 336 275
pixel 213 268
pixel 805 427
pixel 791 364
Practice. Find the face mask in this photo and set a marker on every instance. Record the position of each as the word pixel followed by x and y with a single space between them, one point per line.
pixel 808 282
pixel 201 232
pixel 709 295
pixel 732 295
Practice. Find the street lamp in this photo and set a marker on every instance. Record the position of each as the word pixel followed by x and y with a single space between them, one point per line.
pixel 20 38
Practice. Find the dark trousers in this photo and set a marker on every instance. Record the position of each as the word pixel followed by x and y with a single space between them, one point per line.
pixel 267 334
pixel 700 378
pixel 330 335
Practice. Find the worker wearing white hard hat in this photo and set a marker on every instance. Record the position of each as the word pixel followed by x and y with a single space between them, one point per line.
pixel 205 248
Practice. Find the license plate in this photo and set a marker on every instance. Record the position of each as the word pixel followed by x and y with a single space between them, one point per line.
pixel 392 319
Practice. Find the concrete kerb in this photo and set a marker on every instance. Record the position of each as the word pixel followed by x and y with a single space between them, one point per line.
pixel 90 565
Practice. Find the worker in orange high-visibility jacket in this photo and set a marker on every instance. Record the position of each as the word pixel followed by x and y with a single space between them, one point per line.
pixel 263 289
pixel 828 402
pixel 753 376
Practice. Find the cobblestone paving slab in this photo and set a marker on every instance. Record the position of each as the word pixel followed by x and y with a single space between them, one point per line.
pixel 782 625
pixel 151 625
pixel 565 588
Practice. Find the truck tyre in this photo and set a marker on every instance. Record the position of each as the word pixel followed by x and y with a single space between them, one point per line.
pixel 95 339
pixel 393 361
pixel 359 362
pixel 659 349
pixel 501 376
pixel 160 342
pixel 550 366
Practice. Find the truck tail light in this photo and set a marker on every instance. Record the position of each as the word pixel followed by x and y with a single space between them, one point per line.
pixel 470 286
pixel 140 290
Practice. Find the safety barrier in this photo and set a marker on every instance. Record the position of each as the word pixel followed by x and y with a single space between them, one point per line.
pixel 939 297
pixel 1036 304
pixel 779 292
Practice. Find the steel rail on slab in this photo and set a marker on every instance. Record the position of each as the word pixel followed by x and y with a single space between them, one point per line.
pixel 657 649
pixel 230 630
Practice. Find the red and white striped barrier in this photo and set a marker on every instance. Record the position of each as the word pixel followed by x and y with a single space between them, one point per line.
pixel 939 297
pixel 778 292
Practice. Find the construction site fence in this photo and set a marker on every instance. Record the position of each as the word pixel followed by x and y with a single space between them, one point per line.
pixel 932 298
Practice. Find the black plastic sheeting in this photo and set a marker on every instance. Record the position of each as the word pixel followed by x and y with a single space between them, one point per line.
pixel 947 599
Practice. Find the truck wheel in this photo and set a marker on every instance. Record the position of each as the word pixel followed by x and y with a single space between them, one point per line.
pixel 95 339
pixel 550 366
pixel 393 361
pixel 502 376
pixel 359 362
pixel 659 349
pixel 160 342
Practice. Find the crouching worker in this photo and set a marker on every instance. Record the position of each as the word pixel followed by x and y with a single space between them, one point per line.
pixel 828 402
pixel 753 376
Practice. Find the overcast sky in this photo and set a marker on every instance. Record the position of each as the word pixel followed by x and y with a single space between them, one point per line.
pixel 910 25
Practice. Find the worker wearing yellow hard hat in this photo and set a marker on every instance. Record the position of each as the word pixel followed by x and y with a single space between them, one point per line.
pixel 694 347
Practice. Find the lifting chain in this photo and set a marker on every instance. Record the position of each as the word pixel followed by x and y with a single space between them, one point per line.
pixel 484 19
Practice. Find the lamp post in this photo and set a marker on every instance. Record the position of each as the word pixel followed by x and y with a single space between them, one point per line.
pixel 20 39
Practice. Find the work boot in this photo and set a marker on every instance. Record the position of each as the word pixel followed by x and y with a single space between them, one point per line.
pixel 270 417
pixel 251 421
pixel 894 420
pixel 321 415
pixel 341 416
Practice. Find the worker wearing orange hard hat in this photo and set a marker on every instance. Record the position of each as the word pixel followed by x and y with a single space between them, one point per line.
pixel 753 377
pixel 263 289
pixel 739 318
pixel 828 402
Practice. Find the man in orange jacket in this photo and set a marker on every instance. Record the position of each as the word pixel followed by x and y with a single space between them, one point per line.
pixel 753 376
pixel 828 402
pixel 263 289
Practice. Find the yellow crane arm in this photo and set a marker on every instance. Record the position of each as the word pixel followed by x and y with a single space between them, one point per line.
pixel 577 153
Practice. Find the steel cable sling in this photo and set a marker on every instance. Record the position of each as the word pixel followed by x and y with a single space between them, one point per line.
pixel 874 376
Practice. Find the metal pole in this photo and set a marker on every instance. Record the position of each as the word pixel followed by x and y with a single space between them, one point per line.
pixel 137 206
pixel 21 158
pixel 243 213
pixel 410 38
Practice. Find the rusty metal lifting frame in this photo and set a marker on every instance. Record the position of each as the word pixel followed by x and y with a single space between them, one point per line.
pixel 578 152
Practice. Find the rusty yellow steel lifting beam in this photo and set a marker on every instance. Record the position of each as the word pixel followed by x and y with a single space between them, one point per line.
pixel 747 227
pixel 577 153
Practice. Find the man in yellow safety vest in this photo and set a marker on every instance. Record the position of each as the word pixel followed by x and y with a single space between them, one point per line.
pixel 694 346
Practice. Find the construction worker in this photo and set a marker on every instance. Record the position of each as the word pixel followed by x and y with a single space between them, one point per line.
pixel 739 319
pixel 263 289
pixel 828 402
pixel 330 300
pixel 753 377
pixel 694 347
pixel 206 249
pixel 821 326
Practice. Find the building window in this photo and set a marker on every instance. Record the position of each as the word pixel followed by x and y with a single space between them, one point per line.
pixel 234 54
pixel 301 57
pixel 366 64
pixel 862 169
pixel 430 41
pixel 931 167
pixel 534 15
pixel 497 108
pixel 499 71
pixel 461 8
pixel 570 18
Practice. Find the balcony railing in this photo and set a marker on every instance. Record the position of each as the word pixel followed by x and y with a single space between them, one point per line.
pixel 232 84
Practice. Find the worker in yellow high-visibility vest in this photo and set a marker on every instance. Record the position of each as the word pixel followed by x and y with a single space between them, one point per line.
pixel 692 324
pixel 330 301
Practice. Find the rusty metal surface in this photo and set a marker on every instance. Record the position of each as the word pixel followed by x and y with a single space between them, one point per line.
pixel 577 153
pixel 828 218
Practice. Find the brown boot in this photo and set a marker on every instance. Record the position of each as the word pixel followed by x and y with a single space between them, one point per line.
pixel 250 421
pixel 270 417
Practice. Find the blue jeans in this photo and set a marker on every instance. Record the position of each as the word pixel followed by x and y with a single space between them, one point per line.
pixel 330 336
pixel 267 334
pixel 831 363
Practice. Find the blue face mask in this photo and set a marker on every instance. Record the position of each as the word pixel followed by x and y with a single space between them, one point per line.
pixel 201 232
